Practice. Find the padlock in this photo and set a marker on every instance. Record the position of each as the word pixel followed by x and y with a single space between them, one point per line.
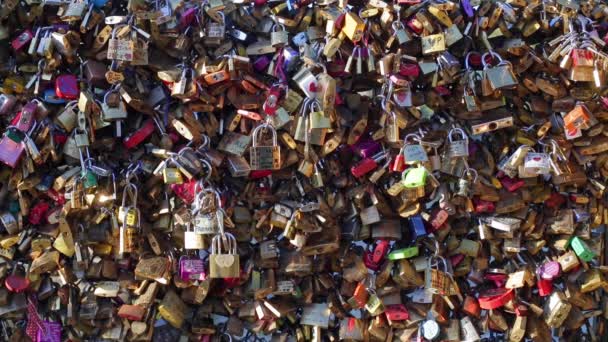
pixel 120 49
pixel 115 111
pixel 500 76
pixel 18 281
pixel 224 264
pixel 458 148
pixel 192 240
pixel 192 269
pixel 265 157
pixel 278 36
pixel 414 177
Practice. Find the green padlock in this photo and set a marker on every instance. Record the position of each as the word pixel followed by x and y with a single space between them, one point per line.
pixel 90 180
pixel 14 135
pixel 581 249
pixel 404 253
pixel 414 177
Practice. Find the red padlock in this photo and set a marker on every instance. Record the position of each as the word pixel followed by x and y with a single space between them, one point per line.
pixel 38 212
pixel 482 206
pixel 409 70
pixel 380 251
pixel 17 281
pixel 271 104
pixel 398 164
pixel 137 137
pixel 438 218
pixel 366 165
pixel 24 120
pixel 511 184
pixel 396 312
pixel 545 287
pixel 66 87
pixel 368 260
pixel 22 40
pixel 471 306
pixel 495 298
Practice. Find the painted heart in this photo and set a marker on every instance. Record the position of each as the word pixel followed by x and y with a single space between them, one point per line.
pixel 224 260
pixel 313 87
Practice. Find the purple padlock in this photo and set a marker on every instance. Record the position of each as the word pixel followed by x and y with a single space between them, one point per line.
pixel 261 63
pixel 50 332
pixel 367 148
pixel 192 269
pixel 550 270
pixel 467 8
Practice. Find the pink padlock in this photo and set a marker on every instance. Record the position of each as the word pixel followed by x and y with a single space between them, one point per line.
pixel 549 270
pixel 51 332
pixel 192 269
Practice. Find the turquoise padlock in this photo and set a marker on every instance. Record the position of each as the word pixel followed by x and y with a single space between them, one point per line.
pixel 581 249
pixel 90 180
pixel 99 3
pixel 414 177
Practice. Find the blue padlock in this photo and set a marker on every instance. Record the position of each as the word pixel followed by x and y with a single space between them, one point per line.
pixel 49 96
pixel 99 3
pixel 417 228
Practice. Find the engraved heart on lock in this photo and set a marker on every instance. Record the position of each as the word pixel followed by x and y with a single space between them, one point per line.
pixel 224 260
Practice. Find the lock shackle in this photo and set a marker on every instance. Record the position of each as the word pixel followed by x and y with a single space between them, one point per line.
pixel 276 26
pixel 257 131
pixel 397 25
pixel 313 104
pixel 493 54
pixel 219 216
pixel 411 137
pixel 467 173
pixel 216 243
pixel 105 96
pixel 305 104
pixel 130 190
pixel 466 59
pixel 457 131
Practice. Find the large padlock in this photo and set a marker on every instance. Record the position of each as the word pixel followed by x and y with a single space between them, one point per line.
pixel 224 262
pixel 264 157
pixel 500 76
pixel 120 49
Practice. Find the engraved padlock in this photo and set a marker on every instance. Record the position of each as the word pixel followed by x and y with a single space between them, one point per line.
pixel 458 148
pixel 120 49
pixel 265 157
pixel 413 151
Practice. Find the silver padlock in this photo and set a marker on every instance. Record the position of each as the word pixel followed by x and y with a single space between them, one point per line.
pixel 537 163
pixel 400 32
pixel 278 37
pixel 458 148
pixel 413 153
